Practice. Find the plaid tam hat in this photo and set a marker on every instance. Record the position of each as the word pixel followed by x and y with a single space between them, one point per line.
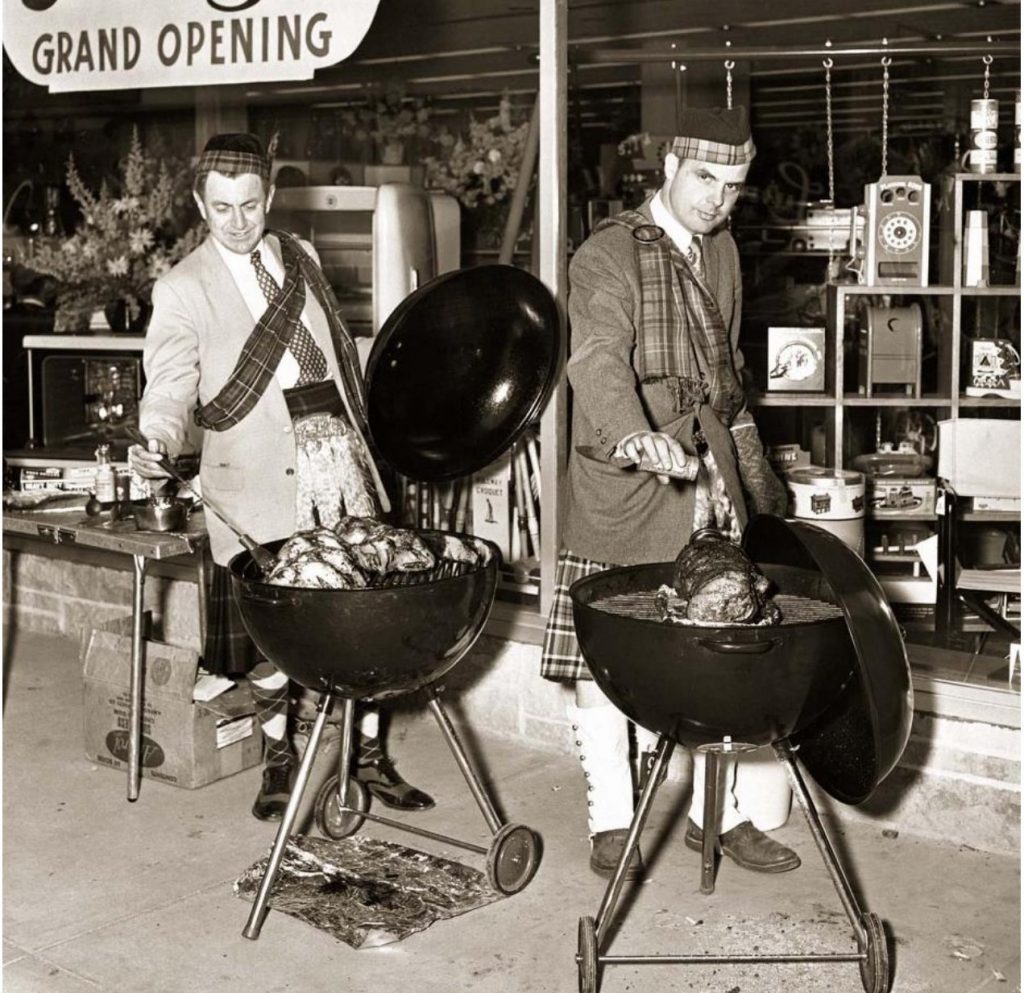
pixel 719 136
pixel 234 155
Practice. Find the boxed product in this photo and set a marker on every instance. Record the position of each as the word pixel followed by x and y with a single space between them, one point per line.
pixel 896 496
pixel 185 742
pixel 981 456
pixel 491 504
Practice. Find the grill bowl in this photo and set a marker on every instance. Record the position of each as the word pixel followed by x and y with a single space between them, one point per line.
pixel 700 684
pixel 372 643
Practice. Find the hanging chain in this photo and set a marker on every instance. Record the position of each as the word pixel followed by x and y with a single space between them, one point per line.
pixel 987 59
pixel 833 269
pixel 729 66
pixel 886 62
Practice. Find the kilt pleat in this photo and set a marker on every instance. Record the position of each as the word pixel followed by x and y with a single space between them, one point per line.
pixel 561 658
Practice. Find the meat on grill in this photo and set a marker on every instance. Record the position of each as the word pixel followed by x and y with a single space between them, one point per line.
pixel 362 550
pixel 316 560
pixel 715 582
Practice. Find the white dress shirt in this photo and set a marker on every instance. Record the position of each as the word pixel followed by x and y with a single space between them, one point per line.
pixel 671 226
pixel 244 274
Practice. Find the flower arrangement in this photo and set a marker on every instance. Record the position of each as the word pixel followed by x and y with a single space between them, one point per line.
pixel 389 118
pixel 125 241
pixel 483 168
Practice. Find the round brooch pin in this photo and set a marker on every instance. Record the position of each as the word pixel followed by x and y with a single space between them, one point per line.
pixel 647 233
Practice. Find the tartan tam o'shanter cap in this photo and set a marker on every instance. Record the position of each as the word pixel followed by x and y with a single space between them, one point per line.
pixel 717 135
pixel 235 154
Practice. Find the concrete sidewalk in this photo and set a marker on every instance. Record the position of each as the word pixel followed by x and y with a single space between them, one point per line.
pixel 103 896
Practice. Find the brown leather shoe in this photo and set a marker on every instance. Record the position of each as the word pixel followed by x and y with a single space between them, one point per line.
pixel 747 847
pixel 273 795
pixel 606 850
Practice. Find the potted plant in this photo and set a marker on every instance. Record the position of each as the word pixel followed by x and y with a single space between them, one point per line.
pixel 125 241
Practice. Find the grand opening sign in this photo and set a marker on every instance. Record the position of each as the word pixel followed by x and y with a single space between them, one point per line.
pixel 120 44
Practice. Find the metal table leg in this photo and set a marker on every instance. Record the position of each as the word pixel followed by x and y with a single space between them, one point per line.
pixel 137 679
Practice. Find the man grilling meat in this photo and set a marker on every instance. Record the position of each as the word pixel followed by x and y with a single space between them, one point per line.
pixel 246 340
pixel 654 309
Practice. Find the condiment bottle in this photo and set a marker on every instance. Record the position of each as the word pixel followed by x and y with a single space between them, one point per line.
pixel 106 478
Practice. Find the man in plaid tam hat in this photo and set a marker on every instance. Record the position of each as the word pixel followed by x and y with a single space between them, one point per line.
pixel 246 342
pixel 662 445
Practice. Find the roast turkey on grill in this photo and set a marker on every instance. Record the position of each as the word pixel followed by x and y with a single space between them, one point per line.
pixel 714 582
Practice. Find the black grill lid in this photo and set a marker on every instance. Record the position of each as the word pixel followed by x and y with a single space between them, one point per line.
pixel 459 370
pixel 857 742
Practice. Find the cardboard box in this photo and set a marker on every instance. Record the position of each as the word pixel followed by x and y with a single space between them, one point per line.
pixel 184 743
pixel 491 504
pixel 897 496
pixel 981 456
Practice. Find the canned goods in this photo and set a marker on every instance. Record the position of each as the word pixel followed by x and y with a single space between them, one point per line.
pixel 982 148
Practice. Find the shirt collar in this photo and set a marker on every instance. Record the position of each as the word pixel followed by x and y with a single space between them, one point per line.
pixel 235 260
pixel 671 226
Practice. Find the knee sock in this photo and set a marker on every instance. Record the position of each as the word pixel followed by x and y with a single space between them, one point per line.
pixel 270 698
pixel 369 748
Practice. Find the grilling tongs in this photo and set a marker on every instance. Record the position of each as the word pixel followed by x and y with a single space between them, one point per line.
pixel 264 559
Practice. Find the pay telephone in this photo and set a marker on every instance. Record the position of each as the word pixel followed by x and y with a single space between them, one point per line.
pixel 892 248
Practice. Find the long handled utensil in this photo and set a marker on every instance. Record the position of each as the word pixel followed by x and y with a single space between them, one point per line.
pixel 264 559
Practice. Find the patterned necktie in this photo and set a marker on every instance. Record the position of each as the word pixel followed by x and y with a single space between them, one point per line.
pixel 695 258
pixel 312 364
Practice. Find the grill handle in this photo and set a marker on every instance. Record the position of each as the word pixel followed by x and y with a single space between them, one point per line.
pixel 739 647
pixel 265 601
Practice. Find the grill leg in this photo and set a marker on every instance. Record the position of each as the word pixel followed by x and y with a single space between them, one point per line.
pixel 348 723
pixel 483 800
pixel 136 680
pixel 786 755
pixel 666 746
pixel 261 905
pixel 709 844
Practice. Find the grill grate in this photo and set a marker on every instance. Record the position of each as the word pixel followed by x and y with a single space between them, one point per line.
pixel 443 569
pixel 643 605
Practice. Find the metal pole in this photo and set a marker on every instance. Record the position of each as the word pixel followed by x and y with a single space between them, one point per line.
pixel 261 904
pixel 785 754
pixel 483 801
pixel 681 54
pixel 709 841
pixel 666 745
pixel 514 221
pixel 136 680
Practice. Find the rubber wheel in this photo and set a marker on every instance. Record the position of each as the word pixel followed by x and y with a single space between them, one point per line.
pixel 513 858
pixel 586 955
pixel 874 970
pixel 331 820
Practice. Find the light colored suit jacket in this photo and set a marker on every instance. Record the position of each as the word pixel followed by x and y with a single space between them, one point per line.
pixel 198 328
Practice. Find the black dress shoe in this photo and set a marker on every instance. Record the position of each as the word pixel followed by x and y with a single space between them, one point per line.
pixel 606 850
pixel 747 847
pixel 273 795
pixel 383 781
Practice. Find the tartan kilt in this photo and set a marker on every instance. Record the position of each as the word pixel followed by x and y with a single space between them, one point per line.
pixel 229 651
pixel 561 658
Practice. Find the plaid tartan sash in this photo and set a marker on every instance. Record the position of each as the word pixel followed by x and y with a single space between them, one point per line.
pixel 681 335
pixel 263 349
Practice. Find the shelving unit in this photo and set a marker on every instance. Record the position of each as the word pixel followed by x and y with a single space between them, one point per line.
pixel 844 407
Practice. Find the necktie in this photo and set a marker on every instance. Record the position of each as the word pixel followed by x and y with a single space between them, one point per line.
pixel 312 364
pixel 695 258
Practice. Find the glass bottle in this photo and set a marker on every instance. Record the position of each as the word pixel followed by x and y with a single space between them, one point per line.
pixel 106 478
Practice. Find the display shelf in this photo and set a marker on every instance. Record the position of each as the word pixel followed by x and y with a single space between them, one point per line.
pixel 895 400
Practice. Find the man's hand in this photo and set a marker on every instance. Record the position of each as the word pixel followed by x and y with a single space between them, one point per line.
pixel 654 451
pixel 148 463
